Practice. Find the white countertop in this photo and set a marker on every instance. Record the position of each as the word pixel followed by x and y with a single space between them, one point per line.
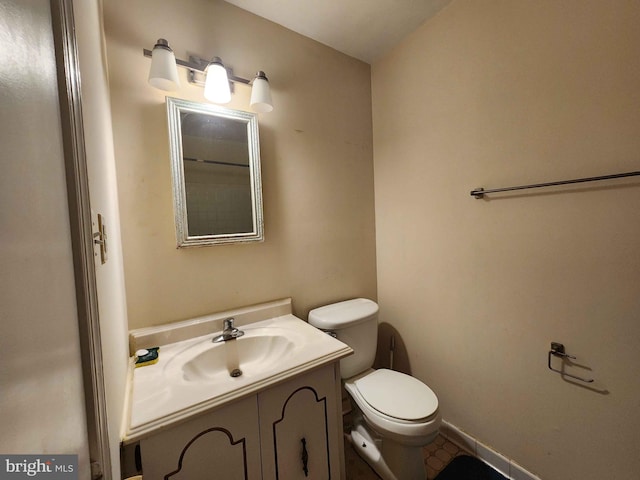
pixel 163 394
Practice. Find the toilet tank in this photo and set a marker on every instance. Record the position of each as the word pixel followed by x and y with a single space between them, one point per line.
pixel 354 322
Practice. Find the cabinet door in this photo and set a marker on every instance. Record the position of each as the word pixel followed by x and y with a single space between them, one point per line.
pixel 300 427
pixel 223 444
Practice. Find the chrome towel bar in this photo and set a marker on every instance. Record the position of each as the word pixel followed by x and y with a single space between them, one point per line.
pixel 480 192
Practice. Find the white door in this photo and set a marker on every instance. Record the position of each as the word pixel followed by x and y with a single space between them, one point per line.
pixel 42 400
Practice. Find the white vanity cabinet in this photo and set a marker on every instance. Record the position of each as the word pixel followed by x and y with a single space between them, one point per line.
pixel 277 433
pixel 280 420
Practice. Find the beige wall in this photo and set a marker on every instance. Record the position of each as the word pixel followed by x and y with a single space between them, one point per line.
pixel 317 167
pixel 500 93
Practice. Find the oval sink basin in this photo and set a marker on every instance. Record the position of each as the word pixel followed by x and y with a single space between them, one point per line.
pixel 246 353
pixel 252 353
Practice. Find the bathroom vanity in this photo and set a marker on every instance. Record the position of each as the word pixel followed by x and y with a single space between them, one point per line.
pixel 280 419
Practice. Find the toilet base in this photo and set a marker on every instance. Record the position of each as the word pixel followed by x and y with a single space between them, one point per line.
pixel 388 459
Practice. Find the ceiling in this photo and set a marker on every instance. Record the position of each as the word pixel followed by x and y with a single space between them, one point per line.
pixel 364 29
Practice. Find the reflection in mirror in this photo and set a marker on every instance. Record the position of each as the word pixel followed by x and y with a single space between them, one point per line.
pixel 215 160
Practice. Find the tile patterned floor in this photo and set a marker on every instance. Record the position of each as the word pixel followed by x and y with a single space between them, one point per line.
pixel 437 455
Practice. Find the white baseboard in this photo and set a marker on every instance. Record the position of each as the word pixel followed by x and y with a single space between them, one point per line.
pixel 495 460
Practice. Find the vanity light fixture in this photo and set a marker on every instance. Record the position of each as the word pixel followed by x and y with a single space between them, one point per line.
pixel 219 79
pixel 163 73
pixel 261 94
pixel 216 85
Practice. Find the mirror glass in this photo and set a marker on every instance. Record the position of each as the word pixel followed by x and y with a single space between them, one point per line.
pixel 215 165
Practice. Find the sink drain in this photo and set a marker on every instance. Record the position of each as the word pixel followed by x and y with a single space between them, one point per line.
pixel 236 372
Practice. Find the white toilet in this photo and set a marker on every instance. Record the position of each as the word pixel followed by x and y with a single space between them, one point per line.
pixel 396 415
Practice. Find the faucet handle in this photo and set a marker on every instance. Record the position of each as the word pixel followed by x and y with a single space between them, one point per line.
pixel 229 332
pixel 228 323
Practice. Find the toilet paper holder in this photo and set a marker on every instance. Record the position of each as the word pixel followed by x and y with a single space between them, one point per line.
pixel 558 350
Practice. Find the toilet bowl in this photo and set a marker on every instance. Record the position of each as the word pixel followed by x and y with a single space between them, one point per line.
pixel 396 406
pixel 395 415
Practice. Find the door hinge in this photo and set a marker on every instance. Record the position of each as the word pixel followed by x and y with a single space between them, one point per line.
pixel 100 238
pixel 96 471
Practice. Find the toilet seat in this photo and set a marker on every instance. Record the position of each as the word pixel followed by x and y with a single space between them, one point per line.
pixel 397 395
pixel 407 432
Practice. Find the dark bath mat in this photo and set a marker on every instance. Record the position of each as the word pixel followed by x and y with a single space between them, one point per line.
pixel 465 467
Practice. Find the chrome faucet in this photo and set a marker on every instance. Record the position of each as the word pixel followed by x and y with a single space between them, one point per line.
pixel 229 332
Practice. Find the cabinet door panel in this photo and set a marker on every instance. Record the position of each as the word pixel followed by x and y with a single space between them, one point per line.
pixel 223 444
pixel 304 417
pixel 304 408
pixel 202 458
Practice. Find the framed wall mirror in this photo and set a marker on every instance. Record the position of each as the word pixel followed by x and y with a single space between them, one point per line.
pixel 215 166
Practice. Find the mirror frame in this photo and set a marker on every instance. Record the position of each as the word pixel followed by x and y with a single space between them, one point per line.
pixel 176 106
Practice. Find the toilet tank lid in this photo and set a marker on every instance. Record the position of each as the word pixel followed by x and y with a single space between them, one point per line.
pixel 343 314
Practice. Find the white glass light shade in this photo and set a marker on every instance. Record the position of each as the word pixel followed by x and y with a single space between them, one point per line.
pixel 216 87
pixel 261 94
pixel 164 72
